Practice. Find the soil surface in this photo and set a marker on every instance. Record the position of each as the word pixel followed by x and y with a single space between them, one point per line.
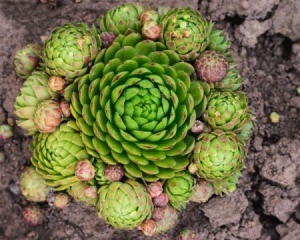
pixel 265 37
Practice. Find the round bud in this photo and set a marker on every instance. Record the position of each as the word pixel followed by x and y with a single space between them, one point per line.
pixel 148 227
pixel 155 189
pixel 84 170
pixel 162 200
pixel 114 173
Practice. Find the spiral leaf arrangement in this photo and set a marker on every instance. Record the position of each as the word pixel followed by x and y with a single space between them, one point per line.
pixel 134 117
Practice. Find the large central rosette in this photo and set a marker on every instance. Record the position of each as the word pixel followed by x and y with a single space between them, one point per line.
pixel 135 108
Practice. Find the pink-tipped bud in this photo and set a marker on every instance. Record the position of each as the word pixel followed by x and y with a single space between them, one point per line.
pixel 193 168
pixel 33 214
pixel 56 83
pixel 149 16
pixel 158 214
pixel 155 189
pixel 107 38
pixel 65 108
pixel 198 127
pixel 114 173
pixel 162 200
pixel 61 200
pixel 84 170
pixel 5 131
pixel 148 227
pixel 48 116
pixel 91 191
pixel 151 31
pixel 202 191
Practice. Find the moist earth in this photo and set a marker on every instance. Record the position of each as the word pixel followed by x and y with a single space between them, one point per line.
pixel 266 48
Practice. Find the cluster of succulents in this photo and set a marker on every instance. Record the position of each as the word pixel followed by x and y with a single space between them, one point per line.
pixel 136 116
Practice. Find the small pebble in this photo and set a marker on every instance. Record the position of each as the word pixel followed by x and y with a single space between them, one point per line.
pixel 274 117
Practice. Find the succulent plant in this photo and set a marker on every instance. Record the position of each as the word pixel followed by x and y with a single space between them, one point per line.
pixel 200 92
pixel 186 32
pixel 155 189
pixel 56 154
pixel 27 59
pixel 56 83
pixel 124 205
pixel 148 227
pixel 107 38
pixel 232 81
pixel 114 173
pixel 33 185
pixel 136 107
pixel 187 234
pixel 192 168
pixel 218 155
pixel 179 189
pixel 129 118
pixel 227 185
pixel 47 116
pixel 202 191
pixel 84 170
pixel 247 130
pixel 211 66
pixel 61 200
pixel 84 193
pixel 227 111
pixel 65 108
pixel 151 27
pixel 33 214
pixel 151 30
pixel 70 49
pixel 6 131
pixel 197 127
pixel 122 19
pixel 33 92
pixel 149 15
pixel 161 201
pixel 218 41
pixel 100 177
pixel 166 218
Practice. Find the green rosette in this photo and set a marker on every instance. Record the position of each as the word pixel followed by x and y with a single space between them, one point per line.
pixel 122 19
pixel 56 154
pixel 70 49
pixel 124 205
pixel 136 107
pixel 179 189
pixel 218 155
pixel 186 32
pixel 227 111
pixel 32 93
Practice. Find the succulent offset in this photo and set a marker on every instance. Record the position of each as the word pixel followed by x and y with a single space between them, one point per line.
pixel 179 189
pixel 136 119
pixel 218 155
pixel 186 32
pixel 124 205
pixel 33 92
pixel 27 59
pixel 33 185
pixel 122 19
pixel 70 49
pixel 56 154
pixel 227 111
